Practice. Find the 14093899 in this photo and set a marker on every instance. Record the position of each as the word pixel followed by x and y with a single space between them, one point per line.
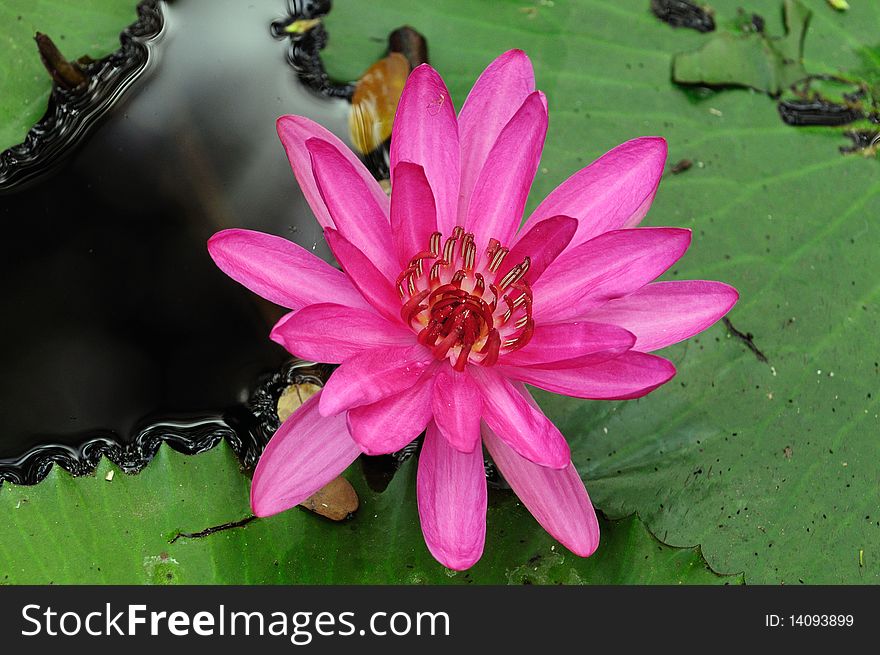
pixel 809 621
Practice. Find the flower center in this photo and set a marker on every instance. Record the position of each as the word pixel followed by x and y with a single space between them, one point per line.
pixel 459 303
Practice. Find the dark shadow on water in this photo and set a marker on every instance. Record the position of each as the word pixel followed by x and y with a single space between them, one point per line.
pixel 116 321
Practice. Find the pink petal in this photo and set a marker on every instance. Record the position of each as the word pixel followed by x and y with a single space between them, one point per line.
pixel 390 424
pixel 457 408
pixel 413 214
pixel 356 214
pixel 497 94
pixel 556 498
pixel 631 375
pixel 612 265
pixel 452 501
pixel 664 313
pixel 306 452
pixel 332 333
pixel 373 285
pixel 279 270
pixel 522 426
pixel 294 131
pixel 542 245
pixel 372 375
pixel 425 132
pixel 499 196
pixel 568 345
pixel 613 192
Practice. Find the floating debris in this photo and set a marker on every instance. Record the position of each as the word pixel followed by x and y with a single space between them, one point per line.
pixel 67 74
pixel 682 13
pixel 293 397
pixel 747 338
pixel 750 58
pixel 301 26
pixel 819 111
pixel 866 142
pixel 207 532
pixel 410 43
pixel 828 100
pixel 264 403
pixel 374 102
pixel 756 23
pixel 336 501
pixel 376 94
pixel 681 166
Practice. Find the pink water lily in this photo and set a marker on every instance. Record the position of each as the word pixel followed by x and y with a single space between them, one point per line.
pixel 444 309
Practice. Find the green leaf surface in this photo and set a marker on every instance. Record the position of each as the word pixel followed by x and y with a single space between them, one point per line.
pixel 122 531
pixel 84 27
pixel 751 59
pixel 771 467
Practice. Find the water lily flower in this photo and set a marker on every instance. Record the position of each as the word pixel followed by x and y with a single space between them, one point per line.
pixel 445 308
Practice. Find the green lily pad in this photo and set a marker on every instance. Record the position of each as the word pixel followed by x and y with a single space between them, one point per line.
pixel 85 27
pixel 771 467
pixel 752 59
pixel 125 530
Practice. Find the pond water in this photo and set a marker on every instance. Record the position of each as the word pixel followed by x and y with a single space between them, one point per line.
pixel 117 321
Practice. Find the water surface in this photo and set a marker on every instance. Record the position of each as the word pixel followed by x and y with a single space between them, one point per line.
pixel 116 319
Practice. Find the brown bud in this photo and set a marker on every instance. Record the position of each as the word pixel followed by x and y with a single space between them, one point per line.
pixel 410 44
pixel 66 74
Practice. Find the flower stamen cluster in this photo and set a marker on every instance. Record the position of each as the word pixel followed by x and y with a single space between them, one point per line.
pixel 460 304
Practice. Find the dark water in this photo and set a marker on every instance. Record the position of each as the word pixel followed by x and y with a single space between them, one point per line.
pixel 116 321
